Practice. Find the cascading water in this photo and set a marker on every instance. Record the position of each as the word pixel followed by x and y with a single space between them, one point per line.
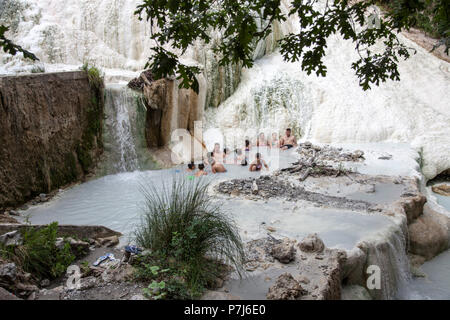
pixel 389 254
pixel 268 101
pixel 119 141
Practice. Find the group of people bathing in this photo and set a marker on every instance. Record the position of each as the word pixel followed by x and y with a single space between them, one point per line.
pixel 217 157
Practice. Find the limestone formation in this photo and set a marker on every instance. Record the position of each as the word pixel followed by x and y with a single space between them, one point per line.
pixel 168 108
pixel 442 189
pixel 312 243
pixel 284 252
pixel 429 234
pixel 285 288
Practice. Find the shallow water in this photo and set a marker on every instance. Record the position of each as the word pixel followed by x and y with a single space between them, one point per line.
pixel 384 193
pixel 337 228
pixel 436 285
pixel 116 202
pixel 443 201
pixel 255 286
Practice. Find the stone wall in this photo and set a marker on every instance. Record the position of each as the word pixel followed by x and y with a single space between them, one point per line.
pixel 50 133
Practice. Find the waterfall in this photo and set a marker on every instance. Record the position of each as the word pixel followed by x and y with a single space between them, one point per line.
pixel 388 251
pixel 120 145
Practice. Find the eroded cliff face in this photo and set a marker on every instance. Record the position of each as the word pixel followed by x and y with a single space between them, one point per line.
pixel 50 133
pixel 169 107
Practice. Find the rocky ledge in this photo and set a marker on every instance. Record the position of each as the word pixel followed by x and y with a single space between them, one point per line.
pixel 315 271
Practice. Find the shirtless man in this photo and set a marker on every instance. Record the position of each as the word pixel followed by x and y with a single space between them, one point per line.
pixel 288 141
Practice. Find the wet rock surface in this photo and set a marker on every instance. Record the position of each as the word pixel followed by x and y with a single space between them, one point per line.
pixel 312 243
pixel 442 189
pixel 285 288
pixel 314 274
pixel 273 187
pixel 284 251
pixel 429 234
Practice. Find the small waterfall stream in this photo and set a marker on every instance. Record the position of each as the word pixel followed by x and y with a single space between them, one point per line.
pixel 125 146
pixel 117 103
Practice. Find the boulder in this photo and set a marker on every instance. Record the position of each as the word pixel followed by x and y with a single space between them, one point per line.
pixel 284 251
pixel 413 206
pixel 109 241
pixel 442 189
pixel 429 235
pixel 8 273
pixel 13 238
pixel 45 283
pixel 312 243
pixel 285 288
pixel 26 290
pixel 355 292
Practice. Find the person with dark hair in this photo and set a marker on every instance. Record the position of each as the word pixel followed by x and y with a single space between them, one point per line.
pixel 288 141
pixel 258 163
pixel 241 158
pixel 247 145
pixel 191 167
pixel 201 171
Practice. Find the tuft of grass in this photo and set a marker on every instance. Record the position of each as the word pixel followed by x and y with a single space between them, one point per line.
pixel 421 159
pixel 95 76
pixel 188 234
pixel 38 69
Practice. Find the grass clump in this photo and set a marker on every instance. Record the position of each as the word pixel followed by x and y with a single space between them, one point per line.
pixel 95 76
pixel 38 69
pixel 39 254
pixel 190 240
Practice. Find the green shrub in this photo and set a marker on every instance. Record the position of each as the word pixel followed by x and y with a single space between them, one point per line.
pixel 189 236
pixel 39 255
pixel 433 16
pixel 95 76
